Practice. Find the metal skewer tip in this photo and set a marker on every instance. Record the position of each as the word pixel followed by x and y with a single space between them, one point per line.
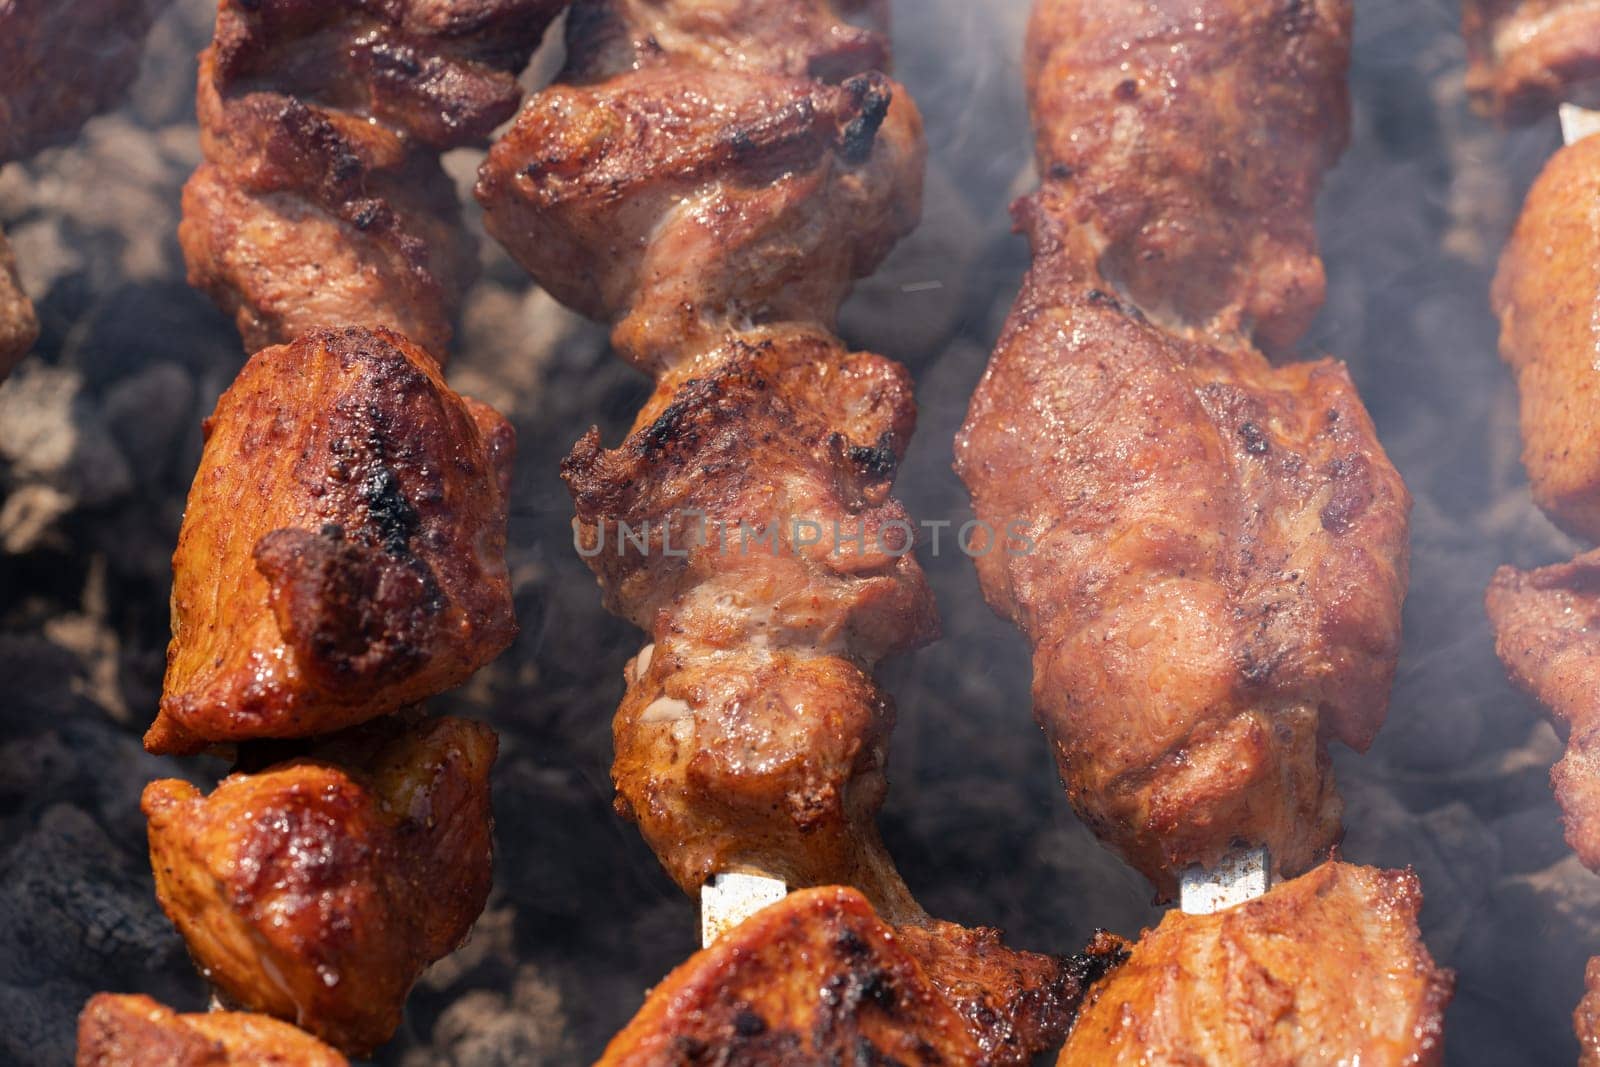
pixel 729 899
pixel 1242 875
pixel 1578 123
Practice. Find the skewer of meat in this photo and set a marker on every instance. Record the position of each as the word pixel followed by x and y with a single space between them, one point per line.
pixel 321 201
pixel 709 179
pixel 1527 59
pixel 342 556
pixel 1207 552
pixel 1215 547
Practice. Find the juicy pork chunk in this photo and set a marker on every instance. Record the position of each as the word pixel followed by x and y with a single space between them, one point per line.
pixel 1547 294
pixel 1547 632
pixel 317 889
pixel 1207 553
pixel 1188 139
pixel 714 204
pixel 752 996
pixel 117 1030
pixel 63 63
pixel 709 179
pixel 322 201
pixel 19 326
pixel 1526 56
pixel 1328 968
pixel 343 549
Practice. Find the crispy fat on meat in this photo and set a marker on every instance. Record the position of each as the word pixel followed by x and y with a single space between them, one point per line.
pixel 1189 140
pixel 1327 968
pixel 322 201
pixel 1526 56
pixel 130 1030
pixel 1547 633
pixel 753 995
pixel 1547 294
pixel 318 889
pixel 343 549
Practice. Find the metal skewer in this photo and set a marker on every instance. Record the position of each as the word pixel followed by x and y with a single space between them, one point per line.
pixel 729 899
pixel 1243 874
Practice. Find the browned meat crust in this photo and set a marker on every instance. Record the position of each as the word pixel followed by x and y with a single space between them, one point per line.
pixel 715 204
pixel 1547 632
pixel 343 548
pixel 19 327
pixel 753 995
pixel 322 201
pixel 318 889
pixel 63 63
pixel 1545 293
pixel 117 1030
pixel 1586 1017
pixel 710 178
pixel 1209 554
pixel 1189 140
pixel 1526 56
pixel 1328 968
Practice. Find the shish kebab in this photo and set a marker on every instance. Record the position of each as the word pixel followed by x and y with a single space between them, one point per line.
pixel 709 179
pixel 1527 59
pixel 1218 549
pixel 342 555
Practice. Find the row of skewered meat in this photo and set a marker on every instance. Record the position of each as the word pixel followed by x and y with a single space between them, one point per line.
pixel 1527 58
pixel 342 555
pixel 1213 596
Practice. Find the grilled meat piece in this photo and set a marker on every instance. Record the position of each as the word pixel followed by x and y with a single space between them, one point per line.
pixel 1328 968
pixel 1526 56
pixel 1188 139
pixel 714 202
pixel 1546 293
pixel 1586 1017
pixel 752 734
pixel 118 1030
pixel 1547 632
pixel 679 204
pixel 322 201
pixel 1208 555
pixel 819 978
pixel 343 549
pixel 19 327
pixel 63 63
pixel 318 889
